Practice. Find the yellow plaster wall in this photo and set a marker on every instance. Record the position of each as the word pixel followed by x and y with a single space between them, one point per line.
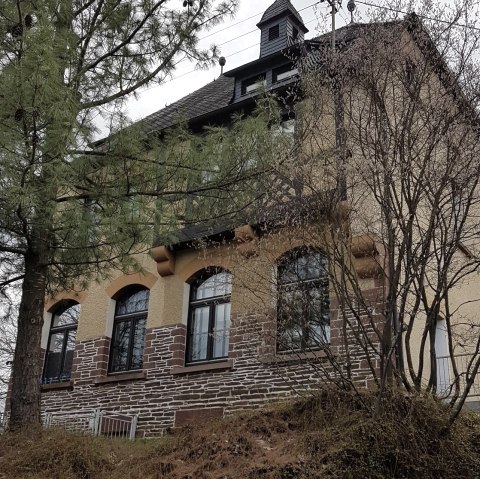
pixel 252 289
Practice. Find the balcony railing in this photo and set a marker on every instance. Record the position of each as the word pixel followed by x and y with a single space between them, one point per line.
pixel 446 377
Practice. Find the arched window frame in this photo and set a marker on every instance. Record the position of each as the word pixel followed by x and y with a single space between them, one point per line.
pixel 304 288
pixel 135 325
pixel 67 333
pixel 210 304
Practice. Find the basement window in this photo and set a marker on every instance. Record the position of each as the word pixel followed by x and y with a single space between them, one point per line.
pixel 274 33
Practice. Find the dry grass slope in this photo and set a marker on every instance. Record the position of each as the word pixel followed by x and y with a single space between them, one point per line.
pixel 329 436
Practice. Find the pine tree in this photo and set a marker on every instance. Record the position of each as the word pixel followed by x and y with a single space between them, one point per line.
pixel 69 212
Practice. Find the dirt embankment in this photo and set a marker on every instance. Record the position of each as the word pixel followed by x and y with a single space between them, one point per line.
pixel 330 436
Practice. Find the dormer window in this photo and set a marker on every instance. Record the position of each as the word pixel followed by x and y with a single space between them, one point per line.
pixel 295 34
pixel 284 72
pixel 253 84
pixel 274 33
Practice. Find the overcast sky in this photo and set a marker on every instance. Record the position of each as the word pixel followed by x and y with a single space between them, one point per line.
pixel 239 44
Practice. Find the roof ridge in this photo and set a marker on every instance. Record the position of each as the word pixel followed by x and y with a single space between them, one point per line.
pixel 277 8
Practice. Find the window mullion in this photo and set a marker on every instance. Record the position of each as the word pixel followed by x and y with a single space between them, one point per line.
pixel 47 352
pixel 131 343
pixel 305 322
pixel 63 353
pixel 211 325
pixel 191 316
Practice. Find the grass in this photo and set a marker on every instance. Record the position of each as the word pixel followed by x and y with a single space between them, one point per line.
pixel 329 436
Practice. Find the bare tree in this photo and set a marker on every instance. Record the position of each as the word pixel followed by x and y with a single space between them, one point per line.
pixel 384 180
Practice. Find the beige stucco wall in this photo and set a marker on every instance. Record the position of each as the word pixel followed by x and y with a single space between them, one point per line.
pixel 252 265
pixel 254 273
pixel 98 303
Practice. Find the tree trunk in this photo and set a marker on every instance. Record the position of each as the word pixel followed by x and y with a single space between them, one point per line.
pixel 27 364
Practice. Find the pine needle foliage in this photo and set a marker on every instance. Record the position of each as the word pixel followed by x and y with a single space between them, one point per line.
pixel 71 209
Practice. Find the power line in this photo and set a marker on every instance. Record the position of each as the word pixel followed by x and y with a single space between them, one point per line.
pixel 426 17
pixel 306 23
pixel 253 16
pixel 221 44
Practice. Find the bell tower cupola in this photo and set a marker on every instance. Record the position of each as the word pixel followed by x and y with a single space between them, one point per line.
pixel 281 26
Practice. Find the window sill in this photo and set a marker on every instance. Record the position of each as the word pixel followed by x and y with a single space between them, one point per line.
pixel 204 367
pixel 291 356
pixel 57 386
pixel 118 377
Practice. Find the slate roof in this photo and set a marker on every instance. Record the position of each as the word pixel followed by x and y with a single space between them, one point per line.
pixel 276 9
pixel 219 93
pixel 345 34
pixel 211 97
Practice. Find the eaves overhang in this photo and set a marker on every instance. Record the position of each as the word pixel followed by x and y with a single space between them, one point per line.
pixel 264 63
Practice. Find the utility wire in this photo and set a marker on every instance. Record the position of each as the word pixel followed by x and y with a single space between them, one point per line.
pixel 229 56
pixel 426 17
pixel 253 16
pixel 369 4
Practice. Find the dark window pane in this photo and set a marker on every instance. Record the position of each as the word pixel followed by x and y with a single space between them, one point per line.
pixel 138 343
pixel 128 337
pixel 303 315
pixel 216 285
pixel 199 334
pixel 132 302
pixel 120 346
pixel 53 360
pixel 70 348
pixel 274 32
pixel 66 317
pixel 221 330
pixel 67 366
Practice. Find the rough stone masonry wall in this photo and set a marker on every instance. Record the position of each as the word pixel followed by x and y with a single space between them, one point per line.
pixel 258 375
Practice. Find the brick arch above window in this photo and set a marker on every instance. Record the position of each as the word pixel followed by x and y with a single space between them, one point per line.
pixel 119 284
pixel 52 303
pixel 193 268
pixel 293 248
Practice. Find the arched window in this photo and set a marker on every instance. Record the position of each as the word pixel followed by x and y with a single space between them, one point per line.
pixel 209 316
pixel 128 336
pixel 303 319
pixel 61 342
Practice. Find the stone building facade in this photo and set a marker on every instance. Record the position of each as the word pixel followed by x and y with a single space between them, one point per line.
pixel 167 392
pixel 135 344
pixel 154 360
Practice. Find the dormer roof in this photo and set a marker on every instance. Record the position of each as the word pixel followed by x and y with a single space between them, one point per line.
pixel 280 8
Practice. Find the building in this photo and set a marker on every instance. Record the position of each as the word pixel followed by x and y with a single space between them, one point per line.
pixel 199 334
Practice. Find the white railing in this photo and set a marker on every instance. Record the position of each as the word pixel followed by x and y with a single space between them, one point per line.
pixel 446 377
pixel 3 421
pixel 98 423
